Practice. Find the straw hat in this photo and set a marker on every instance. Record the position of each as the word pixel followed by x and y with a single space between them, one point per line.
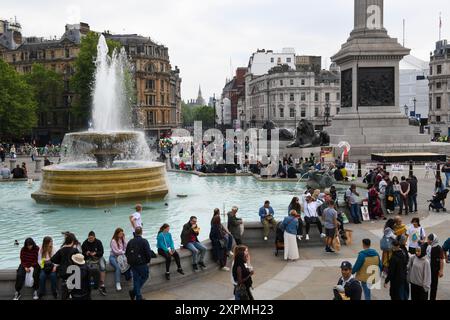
pixel 78 259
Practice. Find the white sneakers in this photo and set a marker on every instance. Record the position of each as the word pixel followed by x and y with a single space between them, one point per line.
pixel 118 286
pixel 231 253
pixel 265 239
pixel 35 295
pixel 322 235
pixel 225 269
pixel 307 237
pixel 300 238
pixel 17 296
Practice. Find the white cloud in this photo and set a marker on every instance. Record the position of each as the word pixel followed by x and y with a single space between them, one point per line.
pixel 203 35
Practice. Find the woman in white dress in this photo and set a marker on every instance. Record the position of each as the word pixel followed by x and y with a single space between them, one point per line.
pixel 290 226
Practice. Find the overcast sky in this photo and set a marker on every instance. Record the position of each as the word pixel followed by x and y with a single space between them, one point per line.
pixel 207 38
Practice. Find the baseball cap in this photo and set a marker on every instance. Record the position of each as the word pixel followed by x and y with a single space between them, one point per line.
pixel 346 265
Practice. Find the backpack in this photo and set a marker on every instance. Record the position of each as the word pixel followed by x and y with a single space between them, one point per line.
pixel 386 243
pixel 134 254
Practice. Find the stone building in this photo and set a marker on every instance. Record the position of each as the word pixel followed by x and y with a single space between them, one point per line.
pixel 293 95
pixel 439 82
pixel 234 90
pixel 157 85
pixel 158 104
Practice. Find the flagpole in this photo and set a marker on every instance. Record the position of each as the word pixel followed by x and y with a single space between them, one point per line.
pixel 440 26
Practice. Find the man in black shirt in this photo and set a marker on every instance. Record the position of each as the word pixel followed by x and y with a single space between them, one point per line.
pixel 397 273
pixel 18 172
pixel 348 288
pixel 412 196
pixel 92 249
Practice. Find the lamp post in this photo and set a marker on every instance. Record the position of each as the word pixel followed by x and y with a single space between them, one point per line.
pixel 242 118
pixel 406 110
pixel 215 114
pixel 327 113
pixel 415 102
pixel 223 123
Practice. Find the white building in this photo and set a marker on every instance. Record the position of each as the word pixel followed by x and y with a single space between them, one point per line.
pixel 414 85
pixel 293 95
pixel 262 61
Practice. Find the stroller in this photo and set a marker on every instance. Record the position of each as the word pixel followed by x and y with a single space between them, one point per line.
pixel 279 239
pixel 436 202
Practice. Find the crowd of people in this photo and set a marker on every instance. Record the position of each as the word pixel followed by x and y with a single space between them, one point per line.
pixel 30 149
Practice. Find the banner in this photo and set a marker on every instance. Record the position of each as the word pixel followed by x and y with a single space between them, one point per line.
pixel 430 166
pixel 350 166
pixel 397 168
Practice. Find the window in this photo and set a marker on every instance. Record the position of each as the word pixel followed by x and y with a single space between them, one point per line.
pixel 338 96
pixel 279 60
pixel 150 67
pixel 303 96
pixel 150 84
pixel 162 67
pixel 272 60
pixel 292 112
pixel 13 58
pixel 150 118
pixel 438 119
pixel 281 82
pixel 52 54
pixel 281 112
pixel 439 69
pixel 316 96
pixel 162 100
pixel 288 60
pixel 303 113
pixel 327 96
pixel 303 82
pixel 431 70
pixel 438 85
pixel 292 82
pixel 150 100
pixel 438 102
pixel 338 110
pixel 162 85
pixel 67 52
pixel 281 97
pixel 291 97
pixel 316 112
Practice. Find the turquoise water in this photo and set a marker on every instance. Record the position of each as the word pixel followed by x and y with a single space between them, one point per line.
pixel 21 217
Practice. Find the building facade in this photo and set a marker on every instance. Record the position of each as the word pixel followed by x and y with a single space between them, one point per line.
pixel 233 91
pixel 263 60
pixel 286 95
pixel 414 89
pixel 158 101
pixel 439 83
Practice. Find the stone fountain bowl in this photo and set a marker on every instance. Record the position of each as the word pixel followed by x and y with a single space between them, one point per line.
pixel 104 138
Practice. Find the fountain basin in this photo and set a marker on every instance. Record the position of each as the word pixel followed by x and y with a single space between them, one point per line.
pixel 83 184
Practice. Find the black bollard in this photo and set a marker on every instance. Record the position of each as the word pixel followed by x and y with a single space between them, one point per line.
pixel 438 170
pixel 411 169
pixel 384 165
pixel 359 169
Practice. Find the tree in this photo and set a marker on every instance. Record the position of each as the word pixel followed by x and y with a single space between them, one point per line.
pixel 47 87
pixel 17 104
pixel 83 79
pixel 191 114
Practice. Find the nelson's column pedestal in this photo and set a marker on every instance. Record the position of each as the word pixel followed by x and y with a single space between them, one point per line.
pixel 370 118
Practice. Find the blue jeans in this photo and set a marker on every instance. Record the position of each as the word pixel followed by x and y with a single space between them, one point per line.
pixel 140 276
pixel 412 199
pixel 397 199
pixel 229 239
pixel 113 262
pixel 447 179
pixel 43 278
pixel 354 211
pixel 198 251
pixel 367 293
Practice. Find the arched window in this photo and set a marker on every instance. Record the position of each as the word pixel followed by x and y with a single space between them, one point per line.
pixel 150 67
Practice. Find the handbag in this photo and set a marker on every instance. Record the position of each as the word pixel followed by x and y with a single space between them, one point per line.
pixel 123 263
pixel 223 243
pixel 390 198
pixel 241 291
pixel 48 267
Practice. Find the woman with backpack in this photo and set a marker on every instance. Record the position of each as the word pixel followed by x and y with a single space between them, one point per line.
pixel 386 243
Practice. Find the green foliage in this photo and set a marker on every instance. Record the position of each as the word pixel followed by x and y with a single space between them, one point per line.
pixel 47 87
pixel 83 79
pixel 17 104
pixel 204 114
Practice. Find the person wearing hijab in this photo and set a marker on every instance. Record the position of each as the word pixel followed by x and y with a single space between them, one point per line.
pixel 419 275
pixel 436 256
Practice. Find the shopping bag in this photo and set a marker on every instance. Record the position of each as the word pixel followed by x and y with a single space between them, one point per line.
pixel 29 281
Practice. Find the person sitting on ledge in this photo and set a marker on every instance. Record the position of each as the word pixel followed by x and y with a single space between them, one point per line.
pixel 92 249
pixel 47 162
pixel 310 206
pixel 18 172
pixel 117 257
pixel 189 240
pixel 266 214
pixel 5 173
pixel 166 249
pixel 48 268
pixel 235 225
pixel 28 263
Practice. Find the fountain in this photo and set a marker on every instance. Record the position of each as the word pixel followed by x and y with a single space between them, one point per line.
pixel 109 163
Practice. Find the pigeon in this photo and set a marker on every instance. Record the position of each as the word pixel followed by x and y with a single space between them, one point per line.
pixel 16 243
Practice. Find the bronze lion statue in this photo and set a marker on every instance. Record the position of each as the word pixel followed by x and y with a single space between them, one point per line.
pixel 307 137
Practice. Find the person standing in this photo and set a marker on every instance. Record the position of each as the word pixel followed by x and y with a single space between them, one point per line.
pixel 219 242
pixel 382 189
pixel 242 274
pixel 331 225
pixel 235 225
pixel 446 171
pixel 348 288
pixel 136 218
pixel 266 214
pixel 397 273
pixel 295 205
pixel 397 190
pixel 416 235
pixel 404 194
pixel 189 240
pixel 436 256
pixel 28 263
pixel 166 249
pixel 419 275
pixel 138 255
pixel 352 199
pixel 2 154
pixel 290 227
pixel 412 196
pixel 366 266
pixel 446 248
